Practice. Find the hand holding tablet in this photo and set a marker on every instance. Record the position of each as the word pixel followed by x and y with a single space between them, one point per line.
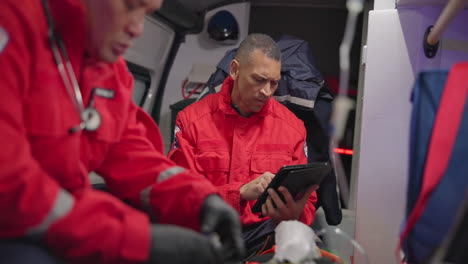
pixel 296 179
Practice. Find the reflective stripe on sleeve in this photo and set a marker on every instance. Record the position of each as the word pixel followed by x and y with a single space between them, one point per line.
pixel 295 100
pixel 145 195
pixel 169 173
pixel 62 206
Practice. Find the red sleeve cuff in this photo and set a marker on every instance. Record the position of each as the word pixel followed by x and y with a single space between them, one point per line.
pixel 169 196
pixel 308 214
pixel 136 240
pixel 231 194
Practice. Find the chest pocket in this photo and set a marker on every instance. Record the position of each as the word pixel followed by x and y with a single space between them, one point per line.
pixel 270 158
pixel 214 164
pixel 111 112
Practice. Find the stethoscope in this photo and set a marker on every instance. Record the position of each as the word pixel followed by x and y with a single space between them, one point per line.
pixel 89 116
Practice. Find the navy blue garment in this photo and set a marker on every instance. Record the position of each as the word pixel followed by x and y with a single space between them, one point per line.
pixel 443 203
pixel 258 237
pixel 18 252
pixel 426 95
pixel 302 90
pixel 300 80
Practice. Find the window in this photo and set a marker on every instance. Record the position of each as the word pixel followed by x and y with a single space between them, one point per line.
pixel 142 83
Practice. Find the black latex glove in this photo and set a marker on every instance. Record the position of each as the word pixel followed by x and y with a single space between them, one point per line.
pixel 217 217
pixel 176 245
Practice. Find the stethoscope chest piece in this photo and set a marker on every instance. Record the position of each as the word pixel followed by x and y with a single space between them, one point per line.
pixel 91 119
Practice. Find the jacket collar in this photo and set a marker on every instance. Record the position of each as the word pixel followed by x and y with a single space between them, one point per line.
pixel 225 102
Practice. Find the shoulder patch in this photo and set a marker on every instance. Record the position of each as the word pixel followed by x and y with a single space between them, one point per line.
pixel 4 38
pixel 175 144
pixel 306 149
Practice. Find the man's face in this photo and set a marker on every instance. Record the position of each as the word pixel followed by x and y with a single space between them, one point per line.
pixel 112 25
pixel 255 81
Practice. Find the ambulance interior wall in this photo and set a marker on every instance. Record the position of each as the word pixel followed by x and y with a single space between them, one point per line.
pixel 394 58
pixel 150 51
pixel 197 49
pixel 321 27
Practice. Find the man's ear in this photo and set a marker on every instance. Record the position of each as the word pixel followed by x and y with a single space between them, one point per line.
pixel 234 69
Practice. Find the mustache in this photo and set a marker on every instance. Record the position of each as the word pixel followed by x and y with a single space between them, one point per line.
pixel 262 98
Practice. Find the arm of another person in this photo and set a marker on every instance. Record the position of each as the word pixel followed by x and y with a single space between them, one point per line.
pixel 308 213
pixel 136 170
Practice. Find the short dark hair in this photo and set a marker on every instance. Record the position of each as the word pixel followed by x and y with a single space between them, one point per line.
pixel 258 41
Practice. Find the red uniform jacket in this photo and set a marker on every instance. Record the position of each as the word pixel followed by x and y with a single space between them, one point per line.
pixel 44 185
pixel 231 150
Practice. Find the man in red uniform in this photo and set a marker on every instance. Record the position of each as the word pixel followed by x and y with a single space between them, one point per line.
pixel 237 137
pixel 66 110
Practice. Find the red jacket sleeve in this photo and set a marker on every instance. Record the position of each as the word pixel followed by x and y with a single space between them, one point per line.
pixel 183 153
pixel 136 170
pixel 299 157
pixel 85 227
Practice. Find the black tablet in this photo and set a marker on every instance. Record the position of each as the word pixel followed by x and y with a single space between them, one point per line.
pixel 296 178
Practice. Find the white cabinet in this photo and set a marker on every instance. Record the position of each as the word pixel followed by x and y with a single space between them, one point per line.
pixel 394 57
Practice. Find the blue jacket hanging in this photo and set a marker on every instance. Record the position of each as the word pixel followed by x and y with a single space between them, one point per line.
pixel 438 180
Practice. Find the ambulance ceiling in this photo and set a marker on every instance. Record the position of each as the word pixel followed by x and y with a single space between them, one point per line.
pixel 201 5
pixel 188 15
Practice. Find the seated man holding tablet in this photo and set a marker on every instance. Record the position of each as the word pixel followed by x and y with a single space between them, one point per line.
pixel 237 137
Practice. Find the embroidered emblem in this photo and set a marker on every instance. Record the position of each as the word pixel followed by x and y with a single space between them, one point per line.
pixel 306 150
pixel 175 145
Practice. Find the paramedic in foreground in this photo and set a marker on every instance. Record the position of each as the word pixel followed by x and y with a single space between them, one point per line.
pixel 66 110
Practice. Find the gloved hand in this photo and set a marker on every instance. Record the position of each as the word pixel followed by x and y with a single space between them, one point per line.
pixel 176 245
pixel 217 217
